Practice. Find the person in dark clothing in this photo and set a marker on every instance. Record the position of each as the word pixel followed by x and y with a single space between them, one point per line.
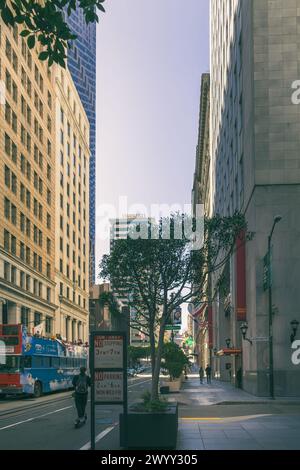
pixel 201 374
pixel 208 373
pixel 239 378
pixel 81 383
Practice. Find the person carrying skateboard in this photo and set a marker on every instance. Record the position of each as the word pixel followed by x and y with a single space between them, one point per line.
pixel 81 383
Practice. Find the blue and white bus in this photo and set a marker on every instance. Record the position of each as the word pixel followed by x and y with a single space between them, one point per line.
pixel 33 365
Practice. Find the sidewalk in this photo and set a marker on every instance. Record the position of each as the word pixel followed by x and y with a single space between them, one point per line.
pixel 217 393
pixel 208 423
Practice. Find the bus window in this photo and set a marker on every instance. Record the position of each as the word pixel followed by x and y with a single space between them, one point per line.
pixel 63 362
pixel 55 362
pixel 37 361
pixel 46 361
pixel 26 362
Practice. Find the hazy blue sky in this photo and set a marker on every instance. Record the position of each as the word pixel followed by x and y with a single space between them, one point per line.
pixel 150 57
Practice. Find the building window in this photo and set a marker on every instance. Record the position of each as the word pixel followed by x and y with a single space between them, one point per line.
pixel 25 316
pixel 6 271
pixel 48 325
pixel 37 317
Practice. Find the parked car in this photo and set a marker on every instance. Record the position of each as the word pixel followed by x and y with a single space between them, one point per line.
pixel 131 372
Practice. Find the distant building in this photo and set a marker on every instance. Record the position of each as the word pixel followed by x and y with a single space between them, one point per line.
pixel 120 228
pixel 201 313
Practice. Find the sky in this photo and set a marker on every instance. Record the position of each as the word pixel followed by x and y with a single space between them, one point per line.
pixel 150 57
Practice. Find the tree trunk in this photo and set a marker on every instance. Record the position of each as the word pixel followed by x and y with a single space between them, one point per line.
pixel 152 347
pixel 155 376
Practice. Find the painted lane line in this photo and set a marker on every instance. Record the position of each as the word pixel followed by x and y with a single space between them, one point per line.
pixel 98 438
pixel 36 417
pixel 108 430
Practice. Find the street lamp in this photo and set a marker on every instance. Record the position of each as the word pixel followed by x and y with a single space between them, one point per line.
pixel 277 219
pixel 228 341
pixel 244 329
pixel 294 324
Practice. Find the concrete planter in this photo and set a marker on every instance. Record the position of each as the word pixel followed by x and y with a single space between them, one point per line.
pixel 174 385
pixel 150 430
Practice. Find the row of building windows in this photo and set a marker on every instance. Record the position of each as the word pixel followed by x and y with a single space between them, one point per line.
pixel 65 291
pixel 10 180
pixel 26 282
pixel 25 253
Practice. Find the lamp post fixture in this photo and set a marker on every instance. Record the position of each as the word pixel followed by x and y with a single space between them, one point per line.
pixel 244 329
pixel 228 341
pixel 294 324
pixel 277 219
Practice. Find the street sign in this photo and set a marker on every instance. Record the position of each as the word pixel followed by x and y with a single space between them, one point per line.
pixel 109 387
pixel 108 366
pixel 260 338
pixel 171 327
pixel 108 351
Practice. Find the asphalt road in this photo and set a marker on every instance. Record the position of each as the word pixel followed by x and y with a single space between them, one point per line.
pixel 47 423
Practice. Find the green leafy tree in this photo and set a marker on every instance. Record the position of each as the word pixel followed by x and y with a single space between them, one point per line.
pixel 43 22
pixel 162 273
pixel 174 360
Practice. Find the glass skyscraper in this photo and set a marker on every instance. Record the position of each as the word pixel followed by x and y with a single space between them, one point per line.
pixel 82 66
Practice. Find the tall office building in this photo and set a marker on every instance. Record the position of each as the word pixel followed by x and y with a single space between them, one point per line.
pixel 82 65
pixel 201 194
pixel 27 202
pixel 120 229
pixel 72 210
pixel 255 168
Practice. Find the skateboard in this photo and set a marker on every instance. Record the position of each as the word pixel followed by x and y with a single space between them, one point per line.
pixel 79 424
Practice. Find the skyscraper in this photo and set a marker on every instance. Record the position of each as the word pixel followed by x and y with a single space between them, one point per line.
pixel 82 65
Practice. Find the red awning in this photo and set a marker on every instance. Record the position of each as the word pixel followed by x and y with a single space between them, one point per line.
pixel 229 352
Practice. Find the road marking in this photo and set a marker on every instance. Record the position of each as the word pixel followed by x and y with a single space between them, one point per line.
pixel 201 419
pixel 37 417
pixel 108 430
pixel 98 438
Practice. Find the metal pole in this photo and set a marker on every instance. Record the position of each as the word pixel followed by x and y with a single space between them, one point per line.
pixel 92 366
pixel 271 359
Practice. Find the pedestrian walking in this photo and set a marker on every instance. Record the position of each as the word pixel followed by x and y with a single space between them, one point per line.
pixel 208 373
pixel 201 374
pixel 81 382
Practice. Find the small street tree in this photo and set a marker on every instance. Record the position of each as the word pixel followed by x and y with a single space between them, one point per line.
pixel 44 22
pixel 160 273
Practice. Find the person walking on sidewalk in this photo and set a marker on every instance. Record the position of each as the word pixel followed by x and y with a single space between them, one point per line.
pixel 201 374
pixel 208 373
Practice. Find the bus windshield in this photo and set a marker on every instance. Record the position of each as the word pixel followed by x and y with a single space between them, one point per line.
pixel 12 364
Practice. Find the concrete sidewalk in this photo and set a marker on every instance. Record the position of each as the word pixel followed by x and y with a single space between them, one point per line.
pixel 251 423
pixel 217 393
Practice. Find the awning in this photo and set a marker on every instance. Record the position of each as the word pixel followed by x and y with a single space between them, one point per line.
pixel 229 352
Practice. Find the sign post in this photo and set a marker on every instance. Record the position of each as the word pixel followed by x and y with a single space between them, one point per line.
pixel 108 366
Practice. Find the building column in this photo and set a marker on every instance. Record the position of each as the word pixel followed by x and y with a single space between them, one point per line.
pixel 14 314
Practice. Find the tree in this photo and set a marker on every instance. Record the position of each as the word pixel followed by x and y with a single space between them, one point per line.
pixel 43 22
pixel 161 273
pixel 174 360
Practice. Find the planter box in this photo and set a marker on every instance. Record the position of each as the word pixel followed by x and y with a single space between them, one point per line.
pixel 150 430
pixel 174 386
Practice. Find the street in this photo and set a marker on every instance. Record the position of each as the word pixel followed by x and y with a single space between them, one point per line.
pixel 211 417
pixel 47 423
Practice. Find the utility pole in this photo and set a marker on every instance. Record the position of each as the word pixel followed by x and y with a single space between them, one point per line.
pixel 271 358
